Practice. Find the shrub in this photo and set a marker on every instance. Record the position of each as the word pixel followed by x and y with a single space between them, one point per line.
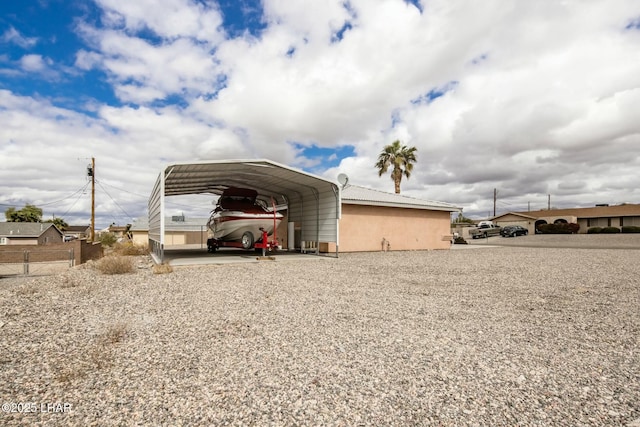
pixel 162 269
pixel 594 230
pixel 630 229
pixel 116 265
pixel 610 230
pixel 129 248
pixel 559 228
pixel 108 239
pixel 114 334
pixel 459 241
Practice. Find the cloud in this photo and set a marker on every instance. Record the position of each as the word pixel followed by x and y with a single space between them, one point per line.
pixel 172 19
pixel 31 63
pixel 12 36
pixel 530 99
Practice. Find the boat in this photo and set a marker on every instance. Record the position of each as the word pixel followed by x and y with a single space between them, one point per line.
pixel 241 217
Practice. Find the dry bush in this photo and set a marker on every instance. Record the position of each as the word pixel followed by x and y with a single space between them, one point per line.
pixel 68 374
pixel 116 265
pixel 28 289
pixel 162 269
pixel 114 334
pixel 68 282
pixel 99 355
pixel 130 248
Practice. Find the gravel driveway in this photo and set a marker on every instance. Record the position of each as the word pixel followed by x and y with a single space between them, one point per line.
pixel 489 337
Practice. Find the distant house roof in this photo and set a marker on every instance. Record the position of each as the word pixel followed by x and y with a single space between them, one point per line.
pixel 356 195
pixel 592 212
pixel 519 214
pixel 77 228
pixel 25 229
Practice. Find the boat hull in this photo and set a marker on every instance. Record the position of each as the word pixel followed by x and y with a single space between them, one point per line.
pixel 230 226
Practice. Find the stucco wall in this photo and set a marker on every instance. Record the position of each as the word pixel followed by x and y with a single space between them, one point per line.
pixel 362 228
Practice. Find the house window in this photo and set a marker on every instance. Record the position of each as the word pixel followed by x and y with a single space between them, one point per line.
pixel 608 222
pixel 621 221
pixel 3 240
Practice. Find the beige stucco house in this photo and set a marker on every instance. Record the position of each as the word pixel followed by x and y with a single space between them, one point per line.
pixel 374 220
pixel 597 216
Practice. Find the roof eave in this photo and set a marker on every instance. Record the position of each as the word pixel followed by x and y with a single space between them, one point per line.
pixel 401 205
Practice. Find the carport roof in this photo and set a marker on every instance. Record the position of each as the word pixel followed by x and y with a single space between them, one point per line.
pixel 265 176
pixel 312 202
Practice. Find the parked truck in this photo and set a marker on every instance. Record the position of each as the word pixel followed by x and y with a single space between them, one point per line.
pixel 485 229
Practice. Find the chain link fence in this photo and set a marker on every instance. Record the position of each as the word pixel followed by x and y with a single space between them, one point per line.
pixel 35 263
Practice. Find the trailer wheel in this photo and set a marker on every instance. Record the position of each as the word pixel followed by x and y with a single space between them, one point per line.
pixel 247 240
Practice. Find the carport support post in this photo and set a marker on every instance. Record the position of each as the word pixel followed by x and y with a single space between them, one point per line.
pixel 337 236
pixel 291 230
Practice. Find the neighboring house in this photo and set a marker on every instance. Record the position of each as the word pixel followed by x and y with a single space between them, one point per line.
pixel 119 230
pixel 80 232
pixel 29 233
pixel 179 230
pixel 374 220
pixel 597 216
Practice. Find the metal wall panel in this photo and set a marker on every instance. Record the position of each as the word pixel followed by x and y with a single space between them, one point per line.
pixel 156 208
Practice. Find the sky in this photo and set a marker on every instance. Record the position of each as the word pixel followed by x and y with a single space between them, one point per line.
pixel 539 101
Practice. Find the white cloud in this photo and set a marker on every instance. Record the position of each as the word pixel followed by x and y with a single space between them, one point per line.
pixel 541 97
pixel 31 63
pixel 168 19
pixel 11 35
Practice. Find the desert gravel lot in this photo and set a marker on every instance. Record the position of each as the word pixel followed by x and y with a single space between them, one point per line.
pixel 495 336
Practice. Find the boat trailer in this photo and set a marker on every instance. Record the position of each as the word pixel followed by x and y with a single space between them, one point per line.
pixel 263 243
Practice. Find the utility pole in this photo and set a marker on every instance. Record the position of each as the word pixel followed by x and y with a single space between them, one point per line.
pixel 495 197
pixel 92 173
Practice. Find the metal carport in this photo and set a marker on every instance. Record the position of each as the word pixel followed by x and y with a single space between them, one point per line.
pixel 313 202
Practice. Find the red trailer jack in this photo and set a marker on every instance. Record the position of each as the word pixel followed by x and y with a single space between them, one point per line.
pixel 265 244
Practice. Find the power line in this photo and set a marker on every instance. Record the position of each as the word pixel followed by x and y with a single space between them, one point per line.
pixel 125 191
pixel 74 203
pixel 68 197
pixel 55 201
pixel 113 200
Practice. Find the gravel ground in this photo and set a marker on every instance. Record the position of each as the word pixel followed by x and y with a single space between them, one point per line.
pixel 578 241
pixel 488 337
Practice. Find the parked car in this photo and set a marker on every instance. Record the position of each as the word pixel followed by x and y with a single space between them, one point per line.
pixel 513 231
pixel 484 229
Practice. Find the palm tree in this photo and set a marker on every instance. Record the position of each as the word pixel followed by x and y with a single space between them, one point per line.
pixel 401 158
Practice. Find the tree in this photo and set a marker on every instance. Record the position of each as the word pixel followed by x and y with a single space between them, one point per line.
pixel 59 222
pixel 401 158
pixel 463 219
pixel 29 213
